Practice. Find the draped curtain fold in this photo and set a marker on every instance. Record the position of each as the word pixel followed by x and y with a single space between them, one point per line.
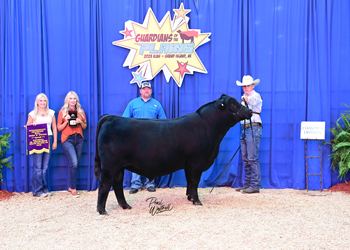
pixel 300 50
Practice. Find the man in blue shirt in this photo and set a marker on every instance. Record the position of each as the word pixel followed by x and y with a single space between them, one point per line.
pixel 144 107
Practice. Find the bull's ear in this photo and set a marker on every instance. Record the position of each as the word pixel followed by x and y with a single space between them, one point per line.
pixel 221 102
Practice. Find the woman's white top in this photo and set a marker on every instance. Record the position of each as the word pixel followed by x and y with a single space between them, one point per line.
pixel 44 119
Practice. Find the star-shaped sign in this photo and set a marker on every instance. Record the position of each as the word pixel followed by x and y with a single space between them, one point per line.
pixel 137 78
pixel 181 12
pixel 126 33
pixel 163 46
pixel 182 68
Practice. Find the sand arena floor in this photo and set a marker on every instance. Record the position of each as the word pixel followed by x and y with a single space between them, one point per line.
pixel 273 219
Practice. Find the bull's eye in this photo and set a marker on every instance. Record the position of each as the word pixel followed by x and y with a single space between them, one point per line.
pixel 222 104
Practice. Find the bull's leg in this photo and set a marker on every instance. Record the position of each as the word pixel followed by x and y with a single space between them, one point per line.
pixel 194 189
pixel 193 178
pixel 118 190
pixel 103 191
pixel 189 185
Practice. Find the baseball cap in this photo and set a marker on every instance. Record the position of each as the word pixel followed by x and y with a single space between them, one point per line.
pixel 145 84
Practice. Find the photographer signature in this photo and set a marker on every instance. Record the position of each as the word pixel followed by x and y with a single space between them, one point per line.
pixel 157 207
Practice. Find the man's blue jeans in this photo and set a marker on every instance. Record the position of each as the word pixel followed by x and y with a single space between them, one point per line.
pixel 39 176
pixel 72 148
pixel 136 181
pixel 250 156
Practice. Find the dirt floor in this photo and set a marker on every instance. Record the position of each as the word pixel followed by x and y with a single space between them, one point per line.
pixel 272 219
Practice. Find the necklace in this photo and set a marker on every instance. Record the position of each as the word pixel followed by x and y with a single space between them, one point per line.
pixel 42 114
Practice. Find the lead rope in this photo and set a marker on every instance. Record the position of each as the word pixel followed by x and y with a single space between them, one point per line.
pixel 225 169
pixel 236 150
pixel 250 120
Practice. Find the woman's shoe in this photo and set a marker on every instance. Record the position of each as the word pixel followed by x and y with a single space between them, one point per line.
pixel 74 192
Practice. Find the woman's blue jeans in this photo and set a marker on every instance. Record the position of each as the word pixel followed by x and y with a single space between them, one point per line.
pixel 39 176
pixel 250 156
pixel 72 148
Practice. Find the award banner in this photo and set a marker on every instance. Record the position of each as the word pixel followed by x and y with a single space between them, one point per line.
pixel 38 139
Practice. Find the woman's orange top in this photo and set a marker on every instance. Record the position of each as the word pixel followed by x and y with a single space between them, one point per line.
pixel 67 131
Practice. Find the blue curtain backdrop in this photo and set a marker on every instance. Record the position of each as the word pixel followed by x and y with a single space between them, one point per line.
pixel 299 49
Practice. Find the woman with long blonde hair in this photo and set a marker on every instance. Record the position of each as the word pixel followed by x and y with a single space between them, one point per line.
pixel 42 115
pixel 72 135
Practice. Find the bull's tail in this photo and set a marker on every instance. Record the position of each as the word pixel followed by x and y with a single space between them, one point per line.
pixel 98 169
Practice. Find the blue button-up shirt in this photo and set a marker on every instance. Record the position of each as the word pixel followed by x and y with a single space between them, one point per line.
pixel 138 108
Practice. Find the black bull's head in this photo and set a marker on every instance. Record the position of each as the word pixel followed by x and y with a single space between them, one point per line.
pixel 231 105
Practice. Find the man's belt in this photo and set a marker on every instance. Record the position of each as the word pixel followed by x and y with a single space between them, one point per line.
pixel 253 124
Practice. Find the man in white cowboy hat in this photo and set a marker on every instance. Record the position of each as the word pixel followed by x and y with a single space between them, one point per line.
pixel 144 107
pixel 250 136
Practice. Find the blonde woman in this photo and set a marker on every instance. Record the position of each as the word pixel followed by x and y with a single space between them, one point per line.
pixel 41 115
pixel 72 136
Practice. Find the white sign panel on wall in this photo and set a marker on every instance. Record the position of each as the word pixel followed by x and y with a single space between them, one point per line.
pixel 312 130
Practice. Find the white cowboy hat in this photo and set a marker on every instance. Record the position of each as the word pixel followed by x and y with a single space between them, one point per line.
pixel 248 80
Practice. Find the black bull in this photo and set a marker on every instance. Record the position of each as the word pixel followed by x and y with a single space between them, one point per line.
pixel 154 148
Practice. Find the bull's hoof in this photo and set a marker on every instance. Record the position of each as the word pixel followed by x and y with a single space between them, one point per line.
pixel 189 198
pixel 126 206
pixel 198 203
pixel 102 212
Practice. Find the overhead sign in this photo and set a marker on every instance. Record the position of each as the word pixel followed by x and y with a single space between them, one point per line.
pixel 169 46
pixel 312 130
